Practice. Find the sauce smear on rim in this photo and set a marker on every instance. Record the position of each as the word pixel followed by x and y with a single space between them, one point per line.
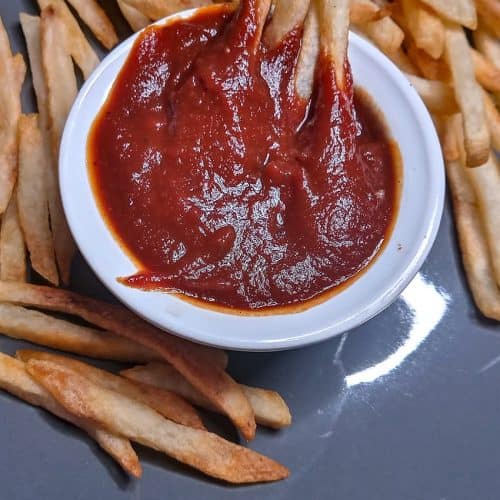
pixel 223 185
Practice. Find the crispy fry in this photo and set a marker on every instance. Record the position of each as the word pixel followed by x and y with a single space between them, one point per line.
pixel 485 181
pixel 32 34
pixel 488 45
pixel 309 51
pixel 437 96
pixel 202 450
pixel 475 254
pixel 32 199
pixel 38 328
pixel 197 363
pixel 458 11
pixel 469 97
pixel 19 70
pixel 430 68
pixel 404 63
pixel 157 9
pixel 425 26
pixel 92 14
pixel 62 89
pixel 166 403
pixel 333 34
pixel 487 74
pixel 135 18
pixel 365 11
pixel 287 16
pixel 269 408
pixel 385 34
pixel 10 110
pixel 77 44
pixel 12 249
pixel 489 11
pixel 493 117
pixel 449 141
pixel 15 379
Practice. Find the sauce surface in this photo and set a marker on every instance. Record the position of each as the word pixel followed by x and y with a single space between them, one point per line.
pixel 222 184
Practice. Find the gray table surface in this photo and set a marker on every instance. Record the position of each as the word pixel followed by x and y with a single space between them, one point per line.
pixel 406 407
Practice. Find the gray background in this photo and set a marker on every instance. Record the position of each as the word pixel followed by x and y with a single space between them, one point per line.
pixel 406 407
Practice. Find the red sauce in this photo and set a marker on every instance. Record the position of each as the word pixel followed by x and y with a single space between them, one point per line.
pixel 225 186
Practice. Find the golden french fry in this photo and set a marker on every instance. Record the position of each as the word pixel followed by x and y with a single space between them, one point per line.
pixel 485 181
pixel 77 44
pixel 200 449
pixel 15 379
pixel 493 117
pixel 446 125
pixel 468 95
pixel 135 18
pixel 157 9
pixel 385 34
pixel 462 12
pixel 309 51
pixel 287 16
pixel 269 408
pixel 12 249
pixel 10 110
pixel 489 11
pixel 475 254
pixel 365 11
pixel 166 403
pixel 62 89
pixel 437 96
pixel 404 63
pixel 19 70
pixel 93 15
pixel 32 200
pixel 487 74
pixel 39 328
pixel 431 69
pixel 488 45
pixel 333 34
pixel 197 363
pixel 425 26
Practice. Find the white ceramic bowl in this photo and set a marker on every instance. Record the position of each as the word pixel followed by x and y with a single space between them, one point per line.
pixel 413 235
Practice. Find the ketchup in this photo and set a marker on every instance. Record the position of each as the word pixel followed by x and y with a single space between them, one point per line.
pixel 225 186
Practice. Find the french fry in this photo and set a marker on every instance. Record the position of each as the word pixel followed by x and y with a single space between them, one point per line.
pixel 200 449
pixel 461 12
pixel 269 408
pixel 333 34
pixel 39 328
pixel 487 44
pixel 425 26
pixel 487 74
pixel 449 141
pixel 15 379
pixel 77 44
pixel 166 403
pixel 489 11
pixel 309 51
pixel 135 18
pixel 429 68
pixel 287 16
pixel 404 63
pixel 19 70
pixel 485 181
pixel 365 11
pixel 437 96
pixel 493 117
pixel 12 249
pixel 195 362
pixel 10 110
pixel 469 97
pixel 60 82
pixel 475 253
pixel 32 200
pixel 157 9
pixel 384 33
pixel 93 15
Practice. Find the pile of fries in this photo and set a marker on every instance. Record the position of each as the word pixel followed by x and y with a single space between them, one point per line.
pixel 152 403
